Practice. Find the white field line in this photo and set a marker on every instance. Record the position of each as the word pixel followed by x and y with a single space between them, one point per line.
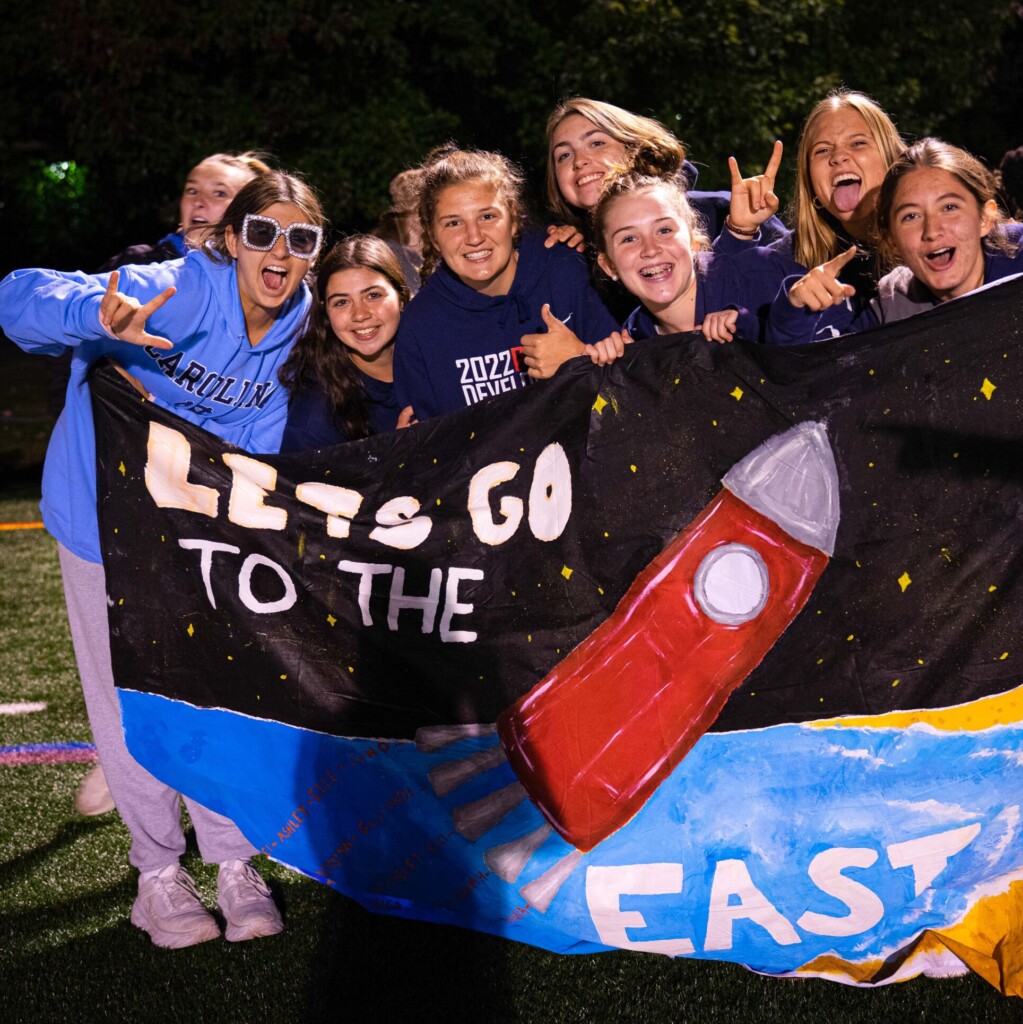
pixel 24 707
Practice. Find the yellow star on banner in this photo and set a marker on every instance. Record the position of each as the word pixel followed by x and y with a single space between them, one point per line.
pixel 987 389
pixel 904 581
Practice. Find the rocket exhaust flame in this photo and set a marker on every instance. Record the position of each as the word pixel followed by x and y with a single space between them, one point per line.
pixel 472 820
pixel 541 891
pixel 431 738
pixel 508 859
pixel 452 774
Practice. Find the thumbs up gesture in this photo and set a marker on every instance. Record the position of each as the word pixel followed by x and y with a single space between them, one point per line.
pixel 544 353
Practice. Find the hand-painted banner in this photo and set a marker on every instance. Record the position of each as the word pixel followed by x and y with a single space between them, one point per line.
pixel 466 672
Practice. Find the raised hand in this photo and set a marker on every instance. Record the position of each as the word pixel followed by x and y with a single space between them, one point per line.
pixel 567 235
pixel 608 349
pixel 720 326
pixel 821 288
pixel 753 199
pixel 544 353
pixel 124 317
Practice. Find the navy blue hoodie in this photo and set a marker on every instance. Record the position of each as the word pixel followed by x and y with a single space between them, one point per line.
pixel 747 282
pixel 897 295
pixel 456 346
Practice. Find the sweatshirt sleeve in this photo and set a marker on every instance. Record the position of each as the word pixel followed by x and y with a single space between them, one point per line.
pixel 593 319
pixel 411 380
pixel 310 422
pixel 46 311
pixel 792 325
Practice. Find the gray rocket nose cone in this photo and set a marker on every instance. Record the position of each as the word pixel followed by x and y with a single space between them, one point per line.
pixel 792 479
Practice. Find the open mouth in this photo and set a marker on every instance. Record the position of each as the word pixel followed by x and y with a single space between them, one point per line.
pixel 845 192
pixel 940 259
pixel 589 179
pixel 365 333
pixel 479 256
pixel 274 278
pixel 658 272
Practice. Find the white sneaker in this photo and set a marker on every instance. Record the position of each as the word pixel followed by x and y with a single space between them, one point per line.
pixel 245 901
pixel 169 909
pixel 93 796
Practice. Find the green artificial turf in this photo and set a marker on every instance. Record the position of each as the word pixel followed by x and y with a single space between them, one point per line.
pixel 69 954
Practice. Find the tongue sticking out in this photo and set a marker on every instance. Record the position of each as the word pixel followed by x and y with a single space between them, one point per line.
pixel 846 197
pixel 273 280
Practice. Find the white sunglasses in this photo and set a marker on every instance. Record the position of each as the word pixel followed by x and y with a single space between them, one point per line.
pixel 260 232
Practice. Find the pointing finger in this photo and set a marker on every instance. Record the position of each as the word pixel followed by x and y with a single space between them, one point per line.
pixel 157 301
pixel 774 163
pixel 833 266
pixel 154 341
pixel 115 277
pixel 733 167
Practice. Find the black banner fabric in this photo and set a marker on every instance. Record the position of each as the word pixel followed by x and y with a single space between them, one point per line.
pixel 435 575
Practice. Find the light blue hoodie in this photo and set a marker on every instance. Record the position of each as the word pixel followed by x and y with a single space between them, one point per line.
pixel 212 376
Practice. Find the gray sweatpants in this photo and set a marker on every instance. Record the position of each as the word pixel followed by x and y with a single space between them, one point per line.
pixel 151 810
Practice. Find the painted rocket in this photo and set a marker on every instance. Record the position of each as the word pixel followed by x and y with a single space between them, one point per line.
pixel 593 740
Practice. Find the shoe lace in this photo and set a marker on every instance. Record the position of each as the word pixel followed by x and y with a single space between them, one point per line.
pixel 244 883
pixel 178 891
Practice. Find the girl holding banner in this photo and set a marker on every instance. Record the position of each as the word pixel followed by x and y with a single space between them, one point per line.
pixel 941 229
pixel 204 336
pixel 488 283
pixel 341 370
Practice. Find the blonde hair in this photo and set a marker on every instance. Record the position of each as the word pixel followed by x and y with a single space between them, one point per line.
pixel 933 154
pixel 625 183
pixel 644 139
pixel 251 160
pixel 813 239
pixel 449 165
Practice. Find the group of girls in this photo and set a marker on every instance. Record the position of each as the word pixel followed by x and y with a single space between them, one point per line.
pixel 502 303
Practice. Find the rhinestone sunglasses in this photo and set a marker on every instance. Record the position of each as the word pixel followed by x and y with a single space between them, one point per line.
pixel 261 232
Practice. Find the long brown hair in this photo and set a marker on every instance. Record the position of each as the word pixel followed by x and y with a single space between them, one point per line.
pixel 933 154
pixel 814 240
pixel 319 358
pixel 644 139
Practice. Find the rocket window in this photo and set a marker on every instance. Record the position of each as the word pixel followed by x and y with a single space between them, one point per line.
pixel 731 584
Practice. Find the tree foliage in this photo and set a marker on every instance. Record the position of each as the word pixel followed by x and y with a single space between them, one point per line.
pixel 349 93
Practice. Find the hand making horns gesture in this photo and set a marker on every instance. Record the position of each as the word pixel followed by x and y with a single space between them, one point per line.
pixel 821 288
pixel 753 199
pixel 124 317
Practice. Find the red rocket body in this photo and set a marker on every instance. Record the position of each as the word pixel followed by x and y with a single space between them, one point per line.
pixel 594 739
